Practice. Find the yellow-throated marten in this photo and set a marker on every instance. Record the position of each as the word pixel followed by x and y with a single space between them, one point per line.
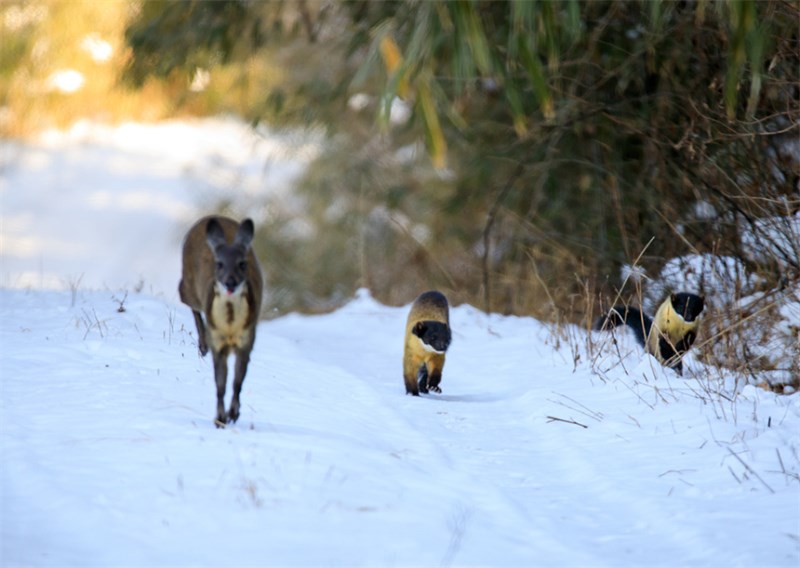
pixel 669 334
pixel 427 339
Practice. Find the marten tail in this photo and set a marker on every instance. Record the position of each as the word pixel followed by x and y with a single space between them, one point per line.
pixel 623 315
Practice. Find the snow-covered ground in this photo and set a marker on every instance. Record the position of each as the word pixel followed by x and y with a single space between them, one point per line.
pixel 538 452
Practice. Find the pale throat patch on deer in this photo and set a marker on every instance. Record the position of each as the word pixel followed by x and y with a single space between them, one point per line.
pixel 229 315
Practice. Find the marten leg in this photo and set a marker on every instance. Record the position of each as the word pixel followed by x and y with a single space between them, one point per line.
pixel 434 379
pixel 410 377
pixel 422 378
pixel 670 356
pixel 684 344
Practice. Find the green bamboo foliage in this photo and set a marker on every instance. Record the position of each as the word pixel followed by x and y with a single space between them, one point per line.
pixel 741 13
pixel 433 130
pixel 586 131
pixel 748 35
pixel 452 44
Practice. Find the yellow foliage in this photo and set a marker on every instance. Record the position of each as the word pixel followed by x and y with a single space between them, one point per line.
pixel 437 146
pixel 393 60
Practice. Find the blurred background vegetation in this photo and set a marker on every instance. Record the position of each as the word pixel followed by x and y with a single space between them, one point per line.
pixel 516 155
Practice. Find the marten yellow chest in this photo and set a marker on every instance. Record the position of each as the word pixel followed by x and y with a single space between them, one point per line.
pixel 228 318
pixel 668 324
pixel 422 353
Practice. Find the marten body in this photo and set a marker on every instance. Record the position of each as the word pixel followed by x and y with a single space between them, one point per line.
pixel 669 334
pixel 222 283
pixel 426 341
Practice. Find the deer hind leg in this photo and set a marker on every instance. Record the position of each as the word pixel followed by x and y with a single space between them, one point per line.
pixel 202 344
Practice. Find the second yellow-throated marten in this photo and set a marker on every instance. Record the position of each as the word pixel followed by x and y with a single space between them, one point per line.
pixel 671 332
pixel 427 339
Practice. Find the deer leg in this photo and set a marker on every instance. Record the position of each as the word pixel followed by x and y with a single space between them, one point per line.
pixel 240 369
pixel 201 333
pixel 221 378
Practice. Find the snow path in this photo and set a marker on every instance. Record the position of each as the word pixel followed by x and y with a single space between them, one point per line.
pixel 107 207
pixel 110 456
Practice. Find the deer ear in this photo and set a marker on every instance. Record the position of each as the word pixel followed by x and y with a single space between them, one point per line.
pixel 244 236
pixel 214 234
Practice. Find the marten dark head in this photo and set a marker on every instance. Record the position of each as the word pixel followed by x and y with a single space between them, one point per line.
pixel 688 306
pixel 435 335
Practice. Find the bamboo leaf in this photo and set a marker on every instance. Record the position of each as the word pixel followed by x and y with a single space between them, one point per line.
pixel 573 20
pixel 517 109
pixel 393 60
pixel 549 30
pixel 475 37
pixel 521 16
pixel 437 146
pixel 756 45
pixel 742 17
pixel 536 75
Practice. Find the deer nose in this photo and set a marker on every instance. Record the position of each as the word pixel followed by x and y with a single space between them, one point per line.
pixel 230 284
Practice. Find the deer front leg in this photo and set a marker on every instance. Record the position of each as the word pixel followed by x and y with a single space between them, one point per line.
pixel 240 369
pixel 221 378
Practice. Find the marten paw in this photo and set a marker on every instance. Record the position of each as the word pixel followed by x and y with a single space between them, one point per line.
pixel 435 389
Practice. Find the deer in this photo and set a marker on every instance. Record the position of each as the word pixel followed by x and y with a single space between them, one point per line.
pixel 221 282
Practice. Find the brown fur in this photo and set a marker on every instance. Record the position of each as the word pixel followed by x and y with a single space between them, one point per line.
pixel 427 307
pixel 230 319
pixel 197 279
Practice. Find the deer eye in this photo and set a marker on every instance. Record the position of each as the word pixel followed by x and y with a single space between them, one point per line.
pixel 242 265
pixel 218 265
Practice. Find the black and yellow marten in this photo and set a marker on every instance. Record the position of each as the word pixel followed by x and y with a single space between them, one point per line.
pixel 668 335
pixel 427 339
